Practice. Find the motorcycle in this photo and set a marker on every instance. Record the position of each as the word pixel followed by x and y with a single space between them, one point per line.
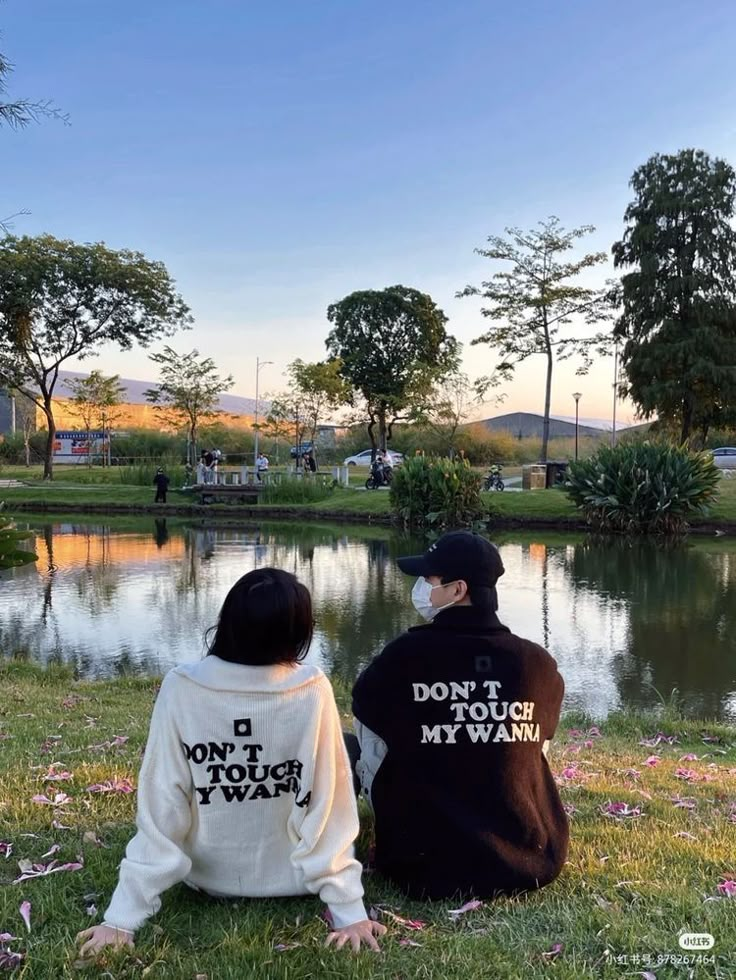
pixel 493 481
pixel 381 475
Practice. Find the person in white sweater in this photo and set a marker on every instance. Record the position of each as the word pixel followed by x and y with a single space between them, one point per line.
pixel 245 786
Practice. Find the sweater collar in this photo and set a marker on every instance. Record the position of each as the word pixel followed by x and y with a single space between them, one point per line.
pixel 221 675
pixel 466 619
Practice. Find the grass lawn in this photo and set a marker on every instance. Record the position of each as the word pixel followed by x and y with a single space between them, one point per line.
pixel 632 883
pixel 544 505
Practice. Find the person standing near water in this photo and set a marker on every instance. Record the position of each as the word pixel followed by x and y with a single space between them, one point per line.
pixel 453 722
pixel 161 482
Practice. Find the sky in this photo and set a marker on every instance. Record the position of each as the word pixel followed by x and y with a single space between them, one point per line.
pixel 278 156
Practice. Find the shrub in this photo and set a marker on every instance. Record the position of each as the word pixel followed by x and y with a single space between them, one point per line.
pixel 441 492
pixel 297 490
pixel 643 487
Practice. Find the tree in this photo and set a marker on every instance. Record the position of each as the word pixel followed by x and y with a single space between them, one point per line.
pixel 22 112
pixel 315 391
pixel 678 301
pixel 534 300
pixel 94 399
pixel 62 300
pixel 188 391
pixel 393 347
pixel 450 404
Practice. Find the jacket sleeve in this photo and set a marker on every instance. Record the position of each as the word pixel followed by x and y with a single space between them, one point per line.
pixel 328 830
pixel 154 859
pixel 372 694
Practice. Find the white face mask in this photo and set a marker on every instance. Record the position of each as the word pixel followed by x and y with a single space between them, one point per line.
pixel 421 596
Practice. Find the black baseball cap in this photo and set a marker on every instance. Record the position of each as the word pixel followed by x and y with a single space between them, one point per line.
pixel 462 555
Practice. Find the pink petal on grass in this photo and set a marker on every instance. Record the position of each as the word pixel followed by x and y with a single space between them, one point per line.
pixel 10 960
pixel 25 914
pixel 6 848
pixel 399 919
pixel 727 887
pixel 620 809
pixel 112 786
pixel 470 906
pixel 56 825
pixel 570 809
pixel 60 799
pixel 41 870
pixel 554 951
pixel 648 975
pixel 91 909
pixel 685 835
pixel 683 802
pixel 53 776
pixel 686 774
pixel 688 757
pixel 6 937
pixel 652 760
pixel 631 773
pixel 285 947
pixel 52 850
pixel 409 942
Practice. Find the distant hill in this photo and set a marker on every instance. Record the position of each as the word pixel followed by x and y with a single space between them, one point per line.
pixel 523 425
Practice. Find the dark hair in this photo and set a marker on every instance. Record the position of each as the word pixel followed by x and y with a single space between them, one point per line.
pixel 266 618
pixel 483 597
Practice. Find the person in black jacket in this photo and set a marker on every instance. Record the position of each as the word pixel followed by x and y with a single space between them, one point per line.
pixel 161 482
pixel 454 719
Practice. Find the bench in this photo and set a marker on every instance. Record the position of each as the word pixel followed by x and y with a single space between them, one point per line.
pixel 239 493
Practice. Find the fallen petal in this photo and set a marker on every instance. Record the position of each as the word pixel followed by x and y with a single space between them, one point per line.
pixel 25 914
pixel 285 947
pixel 409 942
pixel 652 760
pixel 6 848
pixel 470 906
pixel 554 951
pixel 727 887
pixel 53 850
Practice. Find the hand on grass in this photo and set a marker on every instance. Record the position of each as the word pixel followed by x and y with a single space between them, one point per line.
pixel 364 931
pixel 94 940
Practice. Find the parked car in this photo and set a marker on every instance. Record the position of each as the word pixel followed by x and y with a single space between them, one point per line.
pixel 304 447
pixel 725 457
pixel 364 458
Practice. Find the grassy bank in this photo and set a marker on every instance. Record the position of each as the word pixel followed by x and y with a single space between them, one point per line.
pixel 631 883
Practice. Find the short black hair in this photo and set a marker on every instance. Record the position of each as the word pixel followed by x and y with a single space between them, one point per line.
pixel 266 618
pixel 483 597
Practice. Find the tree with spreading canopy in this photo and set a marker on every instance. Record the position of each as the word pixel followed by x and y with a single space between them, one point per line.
pixel 393 347
pixel 678 297
pixel 188 392
pixel 533 302
pixel 61 300
pixel 449 405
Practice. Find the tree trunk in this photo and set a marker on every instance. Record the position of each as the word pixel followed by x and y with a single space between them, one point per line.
pixel 687 419
pixel 48 463
pixel 382 428
pixel 547 405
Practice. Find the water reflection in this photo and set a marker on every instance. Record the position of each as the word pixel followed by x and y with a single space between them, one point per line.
pixel 624 620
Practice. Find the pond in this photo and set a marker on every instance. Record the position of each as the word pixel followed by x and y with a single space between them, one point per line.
pixel 628 622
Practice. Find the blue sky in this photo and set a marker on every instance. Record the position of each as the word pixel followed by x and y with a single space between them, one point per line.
pixel 276 157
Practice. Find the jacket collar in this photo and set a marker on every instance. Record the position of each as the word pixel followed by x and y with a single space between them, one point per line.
pixel 465 619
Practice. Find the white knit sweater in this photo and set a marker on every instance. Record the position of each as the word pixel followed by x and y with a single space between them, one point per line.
pixel 244 790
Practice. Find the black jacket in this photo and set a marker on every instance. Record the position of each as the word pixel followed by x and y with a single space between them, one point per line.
pixel 161 482
pixel 465 802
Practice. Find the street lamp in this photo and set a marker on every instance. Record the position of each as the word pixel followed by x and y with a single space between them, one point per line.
pixel 577 395
pixel 259 364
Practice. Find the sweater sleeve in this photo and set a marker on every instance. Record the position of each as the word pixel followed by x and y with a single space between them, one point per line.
pixel 326 834
pixel 154 859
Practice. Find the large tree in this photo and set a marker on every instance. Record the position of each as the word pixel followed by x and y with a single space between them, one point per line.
pixel 61 300
pixel 533 302
pixel 678 298
pixel 188 392
pixel 393 346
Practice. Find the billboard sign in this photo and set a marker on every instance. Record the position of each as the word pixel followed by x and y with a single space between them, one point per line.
pixel 75 447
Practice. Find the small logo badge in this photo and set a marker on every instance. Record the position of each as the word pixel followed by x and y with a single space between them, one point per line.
pixel 696 940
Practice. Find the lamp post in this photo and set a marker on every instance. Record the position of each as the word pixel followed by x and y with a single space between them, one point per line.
pixel 259 364
pixel 577 395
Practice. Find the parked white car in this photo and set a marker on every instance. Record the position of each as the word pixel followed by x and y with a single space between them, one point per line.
pixel 725 457
pixel 364 458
